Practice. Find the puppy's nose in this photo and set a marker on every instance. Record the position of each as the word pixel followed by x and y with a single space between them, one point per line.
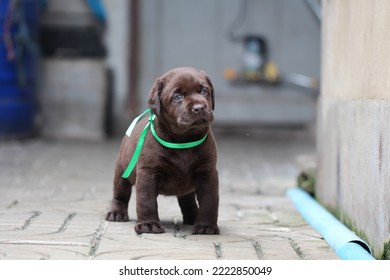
pixel 197 108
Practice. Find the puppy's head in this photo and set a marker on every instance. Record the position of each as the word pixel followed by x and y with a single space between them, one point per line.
pixel 183 98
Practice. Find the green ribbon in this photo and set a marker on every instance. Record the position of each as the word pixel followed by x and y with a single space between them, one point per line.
pixel 142 137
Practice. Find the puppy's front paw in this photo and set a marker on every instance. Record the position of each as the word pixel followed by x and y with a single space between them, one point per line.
pixel 117 216
pixel 149 227
pixel 118 212
pixel 205 229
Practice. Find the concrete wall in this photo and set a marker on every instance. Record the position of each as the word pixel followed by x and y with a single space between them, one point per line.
pixel 353 118
pixel 195 33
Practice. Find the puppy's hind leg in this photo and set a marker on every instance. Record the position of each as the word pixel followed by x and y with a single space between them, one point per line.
pixel 120 202
pixel 189 208
pixel 208 199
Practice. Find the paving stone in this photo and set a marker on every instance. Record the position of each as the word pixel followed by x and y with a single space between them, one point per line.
pixel 54 196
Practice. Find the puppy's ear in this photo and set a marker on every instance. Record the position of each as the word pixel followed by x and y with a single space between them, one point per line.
pixel 212 89
pixel 155 96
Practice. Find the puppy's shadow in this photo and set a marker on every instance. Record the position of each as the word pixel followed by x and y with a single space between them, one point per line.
pixel 177 228
pixel 174 227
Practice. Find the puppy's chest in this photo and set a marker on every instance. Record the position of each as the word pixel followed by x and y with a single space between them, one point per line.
pixel 179 172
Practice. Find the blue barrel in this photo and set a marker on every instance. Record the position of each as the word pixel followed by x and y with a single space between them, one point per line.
pixel 18 73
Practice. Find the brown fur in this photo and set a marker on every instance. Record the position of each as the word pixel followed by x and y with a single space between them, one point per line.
pixel 183 102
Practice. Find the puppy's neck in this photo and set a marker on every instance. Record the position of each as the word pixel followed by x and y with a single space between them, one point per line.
pixel 173 133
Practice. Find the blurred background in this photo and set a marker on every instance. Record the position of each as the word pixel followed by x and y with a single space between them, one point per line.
pixel 82 69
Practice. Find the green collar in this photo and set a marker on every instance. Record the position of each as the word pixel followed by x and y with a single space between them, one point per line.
pixel 142 137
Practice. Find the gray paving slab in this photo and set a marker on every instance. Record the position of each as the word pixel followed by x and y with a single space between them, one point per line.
pixel 53 197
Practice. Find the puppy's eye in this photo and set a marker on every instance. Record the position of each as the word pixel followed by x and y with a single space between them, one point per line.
pixel 204 91
pixel 177 97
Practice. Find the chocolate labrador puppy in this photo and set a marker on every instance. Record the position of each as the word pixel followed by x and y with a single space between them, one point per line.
pixel 182 101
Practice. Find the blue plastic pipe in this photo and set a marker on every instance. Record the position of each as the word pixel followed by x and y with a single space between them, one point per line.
pixel 344 242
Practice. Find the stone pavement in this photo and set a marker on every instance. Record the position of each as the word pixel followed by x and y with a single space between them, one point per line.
pixel 54 195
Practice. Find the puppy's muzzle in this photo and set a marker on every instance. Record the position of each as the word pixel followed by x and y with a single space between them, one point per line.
pixel 198 108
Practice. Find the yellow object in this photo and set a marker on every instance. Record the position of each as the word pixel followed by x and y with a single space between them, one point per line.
pixel 271 72
pixel 230 74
